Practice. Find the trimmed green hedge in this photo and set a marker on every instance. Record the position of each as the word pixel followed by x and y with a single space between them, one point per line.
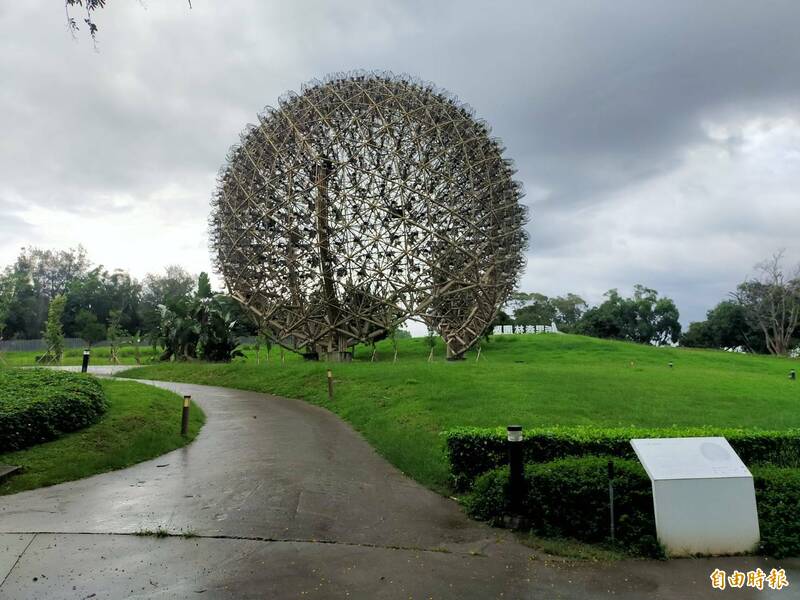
pixel 569 498
pixel 37 405
pixel 472 451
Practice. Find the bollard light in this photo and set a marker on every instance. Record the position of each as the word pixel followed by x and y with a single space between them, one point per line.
pixel 330 385
pixel 792 374
pixel 85 363
pixel 611 496
pixel 516 479
pixel 514 433
pixel 185 415
pixel 670 365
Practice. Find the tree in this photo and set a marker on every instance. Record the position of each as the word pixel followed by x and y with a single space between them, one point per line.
pixel 6 295
pixel 89 328
pixel 169 290
pixel 645 318
pixel 115 335
pixel 89 6
pixel 204 286
pixel 569 310
pixel 666 323
pixel 54 332
pixel 502 320
pixel 198 328
pixel 771 300
pixel 699 335
pixel 539 311
pixel 518 299
pixel 726 327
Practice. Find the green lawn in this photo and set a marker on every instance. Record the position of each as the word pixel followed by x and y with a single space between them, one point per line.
pixel 401 407
pixel 141 422
pixel 74 356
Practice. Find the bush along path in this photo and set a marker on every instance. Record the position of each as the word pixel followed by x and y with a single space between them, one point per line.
pixel 279 498
pixel 569 498
pixel 92 426
pixel 37 405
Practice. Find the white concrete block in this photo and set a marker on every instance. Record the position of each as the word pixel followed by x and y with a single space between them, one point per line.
pixel 703 495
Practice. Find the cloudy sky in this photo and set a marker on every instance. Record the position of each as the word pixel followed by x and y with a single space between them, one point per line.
pixel 658 142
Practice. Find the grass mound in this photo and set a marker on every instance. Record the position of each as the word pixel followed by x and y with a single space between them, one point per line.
pixel 142 422
pixel 532 380
pixel 37 405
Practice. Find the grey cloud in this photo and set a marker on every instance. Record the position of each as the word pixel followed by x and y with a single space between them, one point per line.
pixel 593 100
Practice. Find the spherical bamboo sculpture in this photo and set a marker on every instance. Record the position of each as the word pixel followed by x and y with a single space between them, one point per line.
pixel 366 200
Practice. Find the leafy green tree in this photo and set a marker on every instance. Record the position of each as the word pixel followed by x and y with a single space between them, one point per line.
pixel 502 320
pixel 54 332
pixel 539 311
pixel 700 334
pixel 645 318
pixel 204 286
pixel 169 289
pixel 6 296
pixel 22 305
pixel 88 328
pixel 199 328
pixel 115 334
pixel 569 310
pixel 726 327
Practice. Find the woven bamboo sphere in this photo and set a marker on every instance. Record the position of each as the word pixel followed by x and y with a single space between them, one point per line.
pixel 365 200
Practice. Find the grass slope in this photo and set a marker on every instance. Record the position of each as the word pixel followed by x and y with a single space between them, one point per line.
pixel 532 380
pixel 141 422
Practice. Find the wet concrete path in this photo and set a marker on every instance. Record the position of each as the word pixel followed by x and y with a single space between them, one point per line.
pixel 277 498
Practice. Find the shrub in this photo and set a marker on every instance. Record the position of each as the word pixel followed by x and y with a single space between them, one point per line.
pixel 778 499
pixel 37 405
pixel 472 451
pixel 569 498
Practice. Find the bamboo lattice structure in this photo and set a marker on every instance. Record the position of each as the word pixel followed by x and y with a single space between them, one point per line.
pixel 365 200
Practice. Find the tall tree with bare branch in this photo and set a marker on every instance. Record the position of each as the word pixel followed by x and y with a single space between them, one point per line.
pixel 771 299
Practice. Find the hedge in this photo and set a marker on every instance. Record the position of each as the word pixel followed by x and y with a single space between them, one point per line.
pixel 568 497
pixel 37 405
pixel 472 451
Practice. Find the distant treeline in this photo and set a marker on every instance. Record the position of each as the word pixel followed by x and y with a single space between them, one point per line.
pixel 762 315
pixel 94 296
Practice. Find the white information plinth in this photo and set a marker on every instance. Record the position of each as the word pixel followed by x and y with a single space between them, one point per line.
pixel 703 495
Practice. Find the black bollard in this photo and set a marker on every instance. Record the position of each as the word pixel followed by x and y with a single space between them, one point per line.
pixel 85 364
pixel 185 415
pixel 330 385
pixel 793 375
pixel 516 480
pixel 611 495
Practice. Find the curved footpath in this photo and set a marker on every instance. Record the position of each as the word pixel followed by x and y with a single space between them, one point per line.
pixel 282 499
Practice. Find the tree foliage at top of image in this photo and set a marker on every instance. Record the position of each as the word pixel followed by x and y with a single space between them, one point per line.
pixel 88 8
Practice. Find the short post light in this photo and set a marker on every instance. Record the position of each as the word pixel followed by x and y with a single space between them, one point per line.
pixel 330 385
pixel 85 363
pixel 185 415
pixel 516 481
pixel 793 375
pixel 611 498
pixel 670 364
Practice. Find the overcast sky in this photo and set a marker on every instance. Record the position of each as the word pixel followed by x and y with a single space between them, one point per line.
pixel 658 142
